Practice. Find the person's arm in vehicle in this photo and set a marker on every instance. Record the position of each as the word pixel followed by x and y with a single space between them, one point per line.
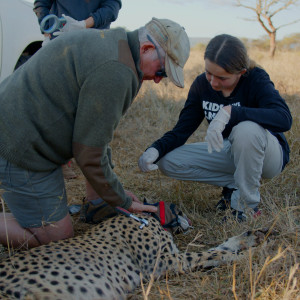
pixel 42 8
pixel 107 13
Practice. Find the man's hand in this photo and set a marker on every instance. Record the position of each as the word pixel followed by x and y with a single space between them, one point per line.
pixel 214 136
pixel 147 159
pixel 137 206
pixel 71 25
pixel 132 196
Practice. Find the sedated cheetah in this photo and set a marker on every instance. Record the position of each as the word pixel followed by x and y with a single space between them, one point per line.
pixel 106 261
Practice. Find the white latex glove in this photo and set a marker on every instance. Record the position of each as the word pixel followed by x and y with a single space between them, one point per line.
pixel 214 131
pixel 71 25
pixel 147 158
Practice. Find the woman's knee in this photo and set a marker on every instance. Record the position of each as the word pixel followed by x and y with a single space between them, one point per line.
pixel 247 134
pixel 167 165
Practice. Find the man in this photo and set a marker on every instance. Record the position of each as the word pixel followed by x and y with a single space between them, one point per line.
pixel 70 107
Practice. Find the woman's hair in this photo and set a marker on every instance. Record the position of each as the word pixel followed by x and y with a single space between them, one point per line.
pixel 229 53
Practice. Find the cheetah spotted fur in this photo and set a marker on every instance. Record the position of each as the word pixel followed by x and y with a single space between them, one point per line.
pixel 106 262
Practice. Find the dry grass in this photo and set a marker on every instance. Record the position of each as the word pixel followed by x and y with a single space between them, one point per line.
pixel 270 271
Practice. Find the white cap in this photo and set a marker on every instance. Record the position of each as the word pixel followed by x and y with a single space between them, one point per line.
pixel 175 42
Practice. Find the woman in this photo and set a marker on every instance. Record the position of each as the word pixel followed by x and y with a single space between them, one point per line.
pixel 244 139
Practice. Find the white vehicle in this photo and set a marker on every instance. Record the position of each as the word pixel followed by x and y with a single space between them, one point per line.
pixel 20 35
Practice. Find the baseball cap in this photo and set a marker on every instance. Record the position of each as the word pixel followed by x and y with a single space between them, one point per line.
pixel 175 42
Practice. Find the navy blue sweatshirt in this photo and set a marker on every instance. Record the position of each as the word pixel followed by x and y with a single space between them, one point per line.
pixel 103 11
pixel 253 99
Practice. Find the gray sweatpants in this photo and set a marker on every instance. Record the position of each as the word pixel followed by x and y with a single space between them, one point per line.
pixel 249 154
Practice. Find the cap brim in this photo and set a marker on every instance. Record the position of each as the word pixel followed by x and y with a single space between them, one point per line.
pixel 174 72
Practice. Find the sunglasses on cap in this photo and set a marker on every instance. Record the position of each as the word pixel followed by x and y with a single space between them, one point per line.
pixel 162 71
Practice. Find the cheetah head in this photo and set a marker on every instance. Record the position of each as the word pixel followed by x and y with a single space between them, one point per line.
pixel 170 217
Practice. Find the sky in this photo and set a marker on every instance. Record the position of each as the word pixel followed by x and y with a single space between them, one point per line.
pixel 205 18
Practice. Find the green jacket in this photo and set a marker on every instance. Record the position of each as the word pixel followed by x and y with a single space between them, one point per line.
pixel 67 100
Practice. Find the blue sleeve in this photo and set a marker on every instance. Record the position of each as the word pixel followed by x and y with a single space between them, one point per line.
pixel 266 107
pixel 107 13
pixel 103 11
pixel 189 120
pixel 42 8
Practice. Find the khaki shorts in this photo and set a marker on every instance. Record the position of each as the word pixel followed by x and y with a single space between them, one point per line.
pixel 34 198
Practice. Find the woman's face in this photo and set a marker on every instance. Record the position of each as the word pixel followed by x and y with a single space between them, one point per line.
pixel 219 79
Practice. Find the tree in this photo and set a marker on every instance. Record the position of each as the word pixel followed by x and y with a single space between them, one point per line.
pixel 265 10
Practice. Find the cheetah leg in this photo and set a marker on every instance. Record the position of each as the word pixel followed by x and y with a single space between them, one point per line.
pixel 243 241
pixel 229 251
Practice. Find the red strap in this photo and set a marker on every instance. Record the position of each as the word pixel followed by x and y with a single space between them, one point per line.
pixel 162 213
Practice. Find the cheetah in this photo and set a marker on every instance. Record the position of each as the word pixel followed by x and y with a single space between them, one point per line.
pixel 108 261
